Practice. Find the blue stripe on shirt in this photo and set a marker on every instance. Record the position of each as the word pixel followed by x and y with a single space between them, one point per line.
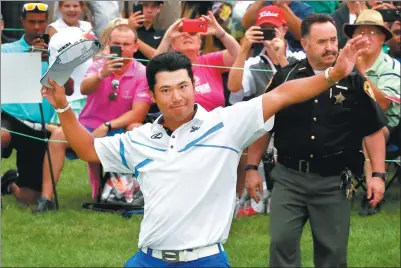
pixel 207 133
pixel 122 154
pixel 141 165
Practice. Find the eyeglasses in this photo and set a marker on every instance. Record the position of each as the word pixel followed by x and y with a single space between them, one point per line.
pixel 115 84
pixel 33 6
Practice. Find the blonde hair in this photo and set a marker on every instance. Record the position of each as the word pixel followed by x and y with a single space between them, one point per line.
pixel 105 36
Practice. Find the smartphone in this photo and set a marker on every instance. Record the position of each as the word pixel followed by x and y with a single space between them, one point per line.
pixel 390 15
pixel 138 7
pixel 44 37
pixel 268 33
pixel 194 26
pixel 115 50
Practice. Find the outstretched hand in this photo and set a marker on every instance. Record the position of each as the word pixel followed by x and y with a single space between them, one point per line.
pixel 55 95
pixel 348 56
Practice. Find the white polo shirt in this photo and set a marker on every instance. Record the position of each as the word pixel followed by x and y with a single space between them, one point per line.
pixel 188 179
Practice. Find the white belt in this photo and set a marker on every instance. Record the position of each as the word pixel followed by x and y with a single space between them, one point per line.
pixel 184 255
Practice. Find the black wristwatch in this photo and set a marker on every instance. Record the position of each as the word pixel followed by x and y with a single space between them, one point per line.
pixel 108 124
pixel 248 167
pixel 379 175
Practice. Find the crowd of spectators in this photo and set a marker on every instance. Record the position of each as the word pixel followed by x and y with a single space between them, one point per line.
pixel 233 63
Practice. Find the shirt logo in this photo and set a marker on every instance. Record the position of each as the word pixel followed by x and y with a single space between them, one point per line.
pixel 157 37
pixel 157 136
pixel 193 129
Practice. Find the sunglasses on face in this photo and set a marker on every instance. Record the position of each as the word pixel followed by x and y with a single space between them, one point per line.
pixel 115 84
pixel 33 6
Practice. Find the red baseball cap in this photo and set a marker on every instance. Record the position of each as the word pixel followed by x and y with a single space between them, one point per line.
pixel 271 14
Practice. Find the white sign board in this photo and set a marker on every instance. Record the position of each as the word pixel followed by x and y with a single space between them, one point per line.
pixel 20 78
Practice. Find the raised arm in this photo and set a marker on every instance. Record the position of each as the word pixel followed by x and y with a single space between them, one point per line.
pixel 235 77
pixel 80 139
pixel 307 88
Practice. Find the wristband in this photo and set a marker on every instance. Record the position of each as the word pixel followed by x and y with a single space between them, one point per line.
pixel 379 175
pixel 60 111
pixel 248 167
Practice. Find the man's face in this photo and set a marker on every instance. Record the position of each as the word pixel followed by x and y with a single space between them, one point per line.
pixel 150 10
pixel 321 46
pixel 174 94
pixel 376 38
pixel 126 40
pixel 187 42
pixel 395 42
pixel 34 23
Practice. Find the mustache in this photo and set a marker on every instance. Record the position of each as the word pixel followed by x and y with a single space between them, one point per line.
pixel 329 53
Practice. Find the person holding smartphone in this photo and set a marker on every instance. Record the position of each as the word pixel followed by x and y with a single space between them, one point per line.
pixel 142 20
pixel 117 97
pixel 244 84
pixel 26 118
pixel 209 90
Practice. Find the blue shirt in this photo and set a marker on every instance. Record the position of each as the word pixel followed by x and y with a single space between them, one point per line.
pixel 29 111
pixel 301 10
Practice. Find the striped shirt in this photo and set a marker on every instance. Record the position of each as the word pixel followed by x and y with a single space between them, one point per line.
pixel 385 75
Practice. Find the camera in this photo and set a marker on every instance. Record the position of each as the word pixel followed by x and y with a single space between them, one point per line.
pixel 194 26
pixel 268 33
pixel 390 15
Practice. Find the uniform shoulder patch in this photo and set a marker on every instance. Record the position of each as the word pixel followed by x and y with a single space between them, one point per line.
pixel 368 90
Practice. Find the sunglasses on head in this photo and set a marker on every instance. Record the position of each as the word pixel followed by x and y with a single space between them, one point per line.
pixel 115 84
pixel 33 6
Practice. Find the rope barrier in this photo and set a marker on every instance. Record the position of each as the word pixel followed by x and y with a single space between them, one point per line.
pixel 63 141
pixel 140 60
pixel 145 60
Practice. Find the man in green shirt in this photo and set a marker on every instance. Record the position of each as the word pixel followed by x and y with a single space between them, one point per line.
pixel 381 70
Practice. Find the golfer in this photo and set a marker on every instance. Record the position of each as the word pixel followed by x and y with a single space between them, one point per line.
pixel 186 161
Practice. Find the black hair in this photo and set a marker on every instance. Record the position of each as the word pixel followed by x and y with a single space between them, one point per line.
pixel 36 10
pixel 167 62
pixel 157 2
pixel 312 19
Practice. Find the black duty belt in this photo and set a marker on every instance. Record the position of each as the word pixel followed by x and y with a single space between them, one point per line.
pixel 325 167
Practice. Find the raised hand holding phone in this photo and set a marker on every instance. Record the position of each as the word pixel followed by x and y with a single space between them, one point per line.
pixel 112 64
pixel 214 28
pixel 136 18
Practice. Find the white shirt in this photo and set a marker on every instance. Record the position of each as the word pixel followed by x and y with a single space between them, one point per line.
pixel 189 179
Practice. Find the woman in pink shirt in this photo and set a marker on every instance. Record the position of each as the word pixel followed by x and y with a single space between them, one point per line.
pixel 208 80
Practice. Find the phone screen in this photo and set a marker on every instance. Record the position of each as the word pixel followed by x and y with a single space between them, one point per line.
pixel 138 7
pixel 44 37
pixel 115 50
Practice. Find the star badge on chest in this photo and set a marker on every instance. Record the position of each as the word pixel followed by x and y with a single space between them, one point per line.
pixel 339 98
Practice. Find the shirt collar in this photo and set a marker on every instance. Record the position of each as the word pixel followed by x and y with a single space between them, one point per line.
pixel 22 42
pixel 151 29
pixel 377 62
pixel 199 116
pixel 131 70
